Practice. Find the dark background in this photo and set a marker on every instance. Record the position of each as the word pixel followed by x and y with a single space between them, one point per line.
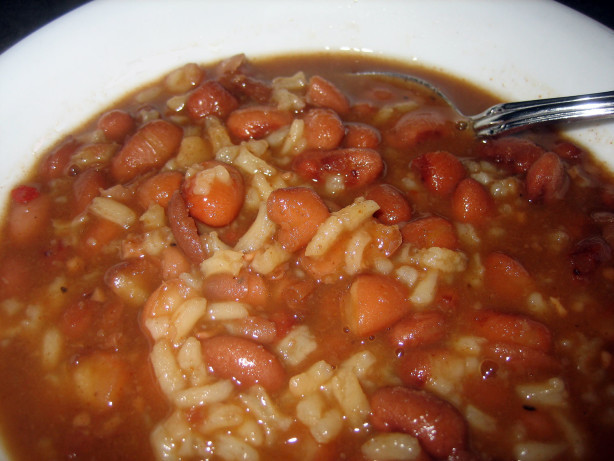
pixel 19 18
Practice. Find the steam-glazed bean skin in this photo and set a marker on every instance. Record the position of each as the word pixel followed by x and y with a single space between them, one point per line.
pixel 55 163
pixel 256 122
pixel 471 202
pixel 159 189
pixel 417 126
pixel 133 280
pixel 547 179
pixel 116 125
pixel 418 329
pixel 394 206
pixel 184 229
pixel 430 231
pixel 357 167
pixel 299 211
pixel 243 360
pixel 439 427
pixel 246 287
pixel 210 98
pixel 323 129
pixel 174 263
pixel 150 147
pixel 440 171
pixel 88 185
pixel 27 221
pixel 415 367
pixel 323 93
pixel 506 276
pixel 258 329
pixel 361 135
pixel 515 154
pixel 510 328
pixel 373 303
pixel 588 254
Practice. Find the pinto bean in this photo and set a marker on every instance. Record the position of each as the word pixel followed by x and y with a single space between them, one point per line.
pixel 133 280
pixel 568 151
pixel 416 364
pixel 440 428
pixel 430 231
pixel 498 327
pixel 359 167
pixel 244 361
pixel 514 154
pixel 150 147
pixel 258 329
pixel 88 185
pixel 246 287
pixel 166 298
pixel 471 202
pixel 373 303
pixel 98 234
pixel 547 180
pixel 28 221
pixel 116 125
pixel 418 329
pixel 440 171
pixel 521 360
pixel 241 84
pixel 322 93
pixel 214 194
pixel 256 122
pixel 173 263
pixel 361 135
pixel 323 129
pixel 417 126
pixel 185 78
pixel 298 211
pixel 506 276
pixel 385 239
pixel 394 207
pixel 55 164
pixel 210 98
pixel 184 229
pixel 588 254
pixel 159 189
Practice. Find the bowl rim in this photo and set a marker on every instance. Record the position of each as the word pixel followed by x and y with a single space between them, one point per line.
pixel 71 69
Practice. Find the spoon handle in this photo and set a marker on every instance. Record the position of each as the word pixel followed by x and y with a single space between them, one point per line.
pixel 516 115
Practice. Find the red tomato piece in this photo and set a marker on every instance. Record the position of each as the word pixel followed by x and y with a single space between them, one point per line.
pixel 24 194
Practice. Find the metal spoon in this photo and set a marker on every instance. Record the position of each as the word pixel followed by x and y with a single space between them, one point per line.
pixel 520 115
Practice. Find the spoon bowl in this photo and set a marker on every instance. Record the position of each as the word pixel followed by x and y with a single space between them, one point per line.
pixel 517 116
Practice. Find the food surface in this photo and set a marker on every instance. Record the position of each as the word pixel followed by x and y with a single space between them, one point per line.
pixel 282 259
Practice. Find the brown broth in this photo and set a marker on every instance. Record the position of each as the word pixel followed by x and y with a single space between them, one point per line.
pixel 57 284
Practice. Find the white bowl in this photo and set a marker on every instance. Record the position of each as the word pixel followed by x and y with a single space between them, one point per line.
pixel 81 63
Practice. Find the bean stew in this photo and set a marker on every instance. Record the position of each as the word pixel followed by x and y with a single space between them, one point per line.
pixel 281 259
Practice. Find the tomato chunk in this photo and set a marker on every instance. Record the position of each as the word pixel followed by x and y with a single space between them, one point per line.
pixel 24 194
